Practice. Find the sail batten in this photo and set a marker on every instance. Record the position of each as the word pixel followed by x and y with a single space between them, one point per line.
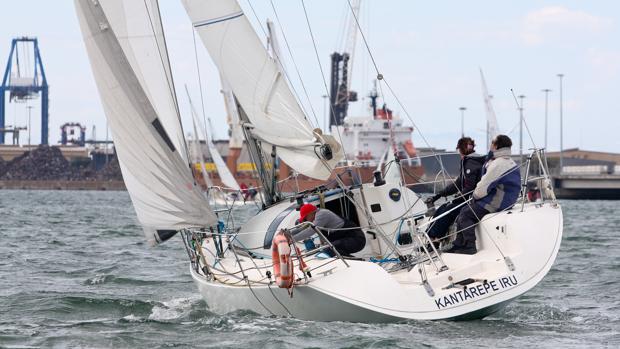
pixel 141 110
pixel 255 79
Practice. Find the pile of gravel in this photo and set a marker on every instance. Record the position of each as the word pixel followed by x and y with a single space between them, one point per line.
pixel 47 163
pixel 111 171
pixel 42 163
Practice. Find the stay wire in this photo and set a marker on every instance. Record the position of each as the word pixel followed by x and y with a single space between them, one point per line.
pixel 260 24
pixel 381 77
pixel 202 100
pixel 318 59
pixel 169 79
pixel 294 63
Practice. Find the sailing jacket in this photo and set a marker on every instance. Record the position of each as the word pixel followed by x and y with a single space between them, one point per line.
pixel 324 220
pixel 471 171
pixel 500 184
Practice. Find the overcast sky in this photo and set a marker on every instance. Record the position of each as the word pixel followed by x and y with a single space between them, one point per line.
pixel 430 53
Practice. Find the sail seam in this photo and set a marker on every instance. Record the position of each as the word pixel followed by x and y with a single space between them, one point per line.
pixel 218 19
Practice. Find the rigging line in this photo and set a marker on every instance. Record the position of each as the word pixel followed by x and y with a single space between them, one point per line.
pixel 161 58
pixel 169 79
pixel 202 100
pixel 287 77
pixel 318 59
pixel 294 63
pixel 276 298
pixel 381 77
pixel 245 277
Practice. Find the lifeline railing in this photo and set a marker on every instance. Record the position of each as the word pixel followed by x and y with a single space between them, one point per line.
pixel 226 242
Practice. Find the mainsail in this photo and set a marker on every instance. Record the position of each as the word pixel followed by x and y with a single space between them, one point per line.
pixel 260 88
pixel 125 44
pixel 492 126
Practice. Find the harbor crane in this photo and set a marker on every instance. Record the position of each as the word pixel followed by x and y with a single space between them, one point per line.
pixel 24 78
pixel 341 69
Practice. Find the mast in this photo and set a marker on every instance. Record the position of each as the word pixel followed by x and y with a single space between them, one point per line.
pixel 266 177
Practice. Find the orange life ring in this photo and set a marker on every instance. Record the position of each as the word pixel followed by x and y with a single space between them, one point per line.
pixel 282 261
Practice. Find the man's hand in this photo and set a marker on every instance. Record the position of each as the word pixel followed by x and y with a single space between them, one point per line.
pixel 431 200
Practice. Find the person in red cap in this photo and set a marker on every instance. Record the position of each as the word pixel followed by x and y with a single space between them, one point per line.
pixel 346 237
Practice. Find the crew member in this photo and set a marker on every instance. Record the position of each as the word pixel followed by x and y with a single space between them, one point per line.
pixel 470 173
pixel 346 237
pixel 497 190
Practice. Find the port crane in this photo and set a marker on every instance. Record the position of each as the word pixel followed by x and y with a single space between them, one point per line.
pixel 24 78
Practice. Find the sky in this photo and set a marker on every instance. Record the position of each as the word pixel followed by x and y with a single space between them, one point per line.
pixel 429 52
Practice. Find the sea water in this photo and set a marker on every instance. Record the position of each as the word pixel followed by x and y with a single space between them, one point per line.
pixel 75 272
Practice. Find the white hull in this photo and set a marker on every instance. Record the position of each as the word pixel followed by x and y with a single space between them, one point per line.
pixel 366 292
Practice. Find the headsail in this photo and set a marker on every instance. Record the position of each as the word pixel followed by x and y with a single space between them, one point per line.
pixel 124 43
pixel 227 178
pixel 492 126
pixel 233 119
pixel 260 87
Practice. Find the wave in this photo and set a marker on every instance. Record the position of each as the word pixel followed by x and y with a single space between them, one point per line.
pixel 100 279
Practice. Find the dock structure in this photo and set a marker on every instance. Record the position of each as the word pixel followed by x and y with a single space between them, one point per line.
pixel 587 187
pixel 586 175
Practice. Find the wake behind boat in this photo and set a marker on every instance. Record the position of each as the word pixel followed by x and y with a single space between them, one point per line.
pixel 398 274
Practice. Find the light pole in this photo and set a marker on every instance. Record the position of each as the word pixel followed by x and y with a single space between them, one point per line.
pixel 546 91
pixel 29 130
pixel 561 126
pixel 521 97
pixel 462 109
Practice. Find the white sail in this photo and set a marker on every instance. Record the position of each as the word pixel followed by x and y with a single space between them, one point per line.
pixel 274 46
pixel 225 176
pixel 232 116
pixel 126 59
pixel 492 125
pixel 198 157
pixel 139 31
pixel 260 87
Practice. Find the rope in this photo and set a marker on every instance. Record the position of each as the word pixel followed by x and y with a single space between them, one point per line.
pixel 202 100
pixel 260 24
pixel 380 77
pixel 318 59
pixel 288 48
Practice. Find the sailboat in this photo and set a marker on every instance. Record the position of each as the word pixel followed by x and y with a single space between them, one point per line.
pixel 492 125
pixel 398 275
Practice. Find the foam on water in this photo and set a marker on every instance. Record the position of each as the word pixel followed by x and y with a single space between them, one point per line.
pixel 80 275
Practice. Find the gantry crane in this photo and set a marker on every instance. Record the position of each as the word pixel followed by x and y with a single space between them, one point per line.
pixel 24 78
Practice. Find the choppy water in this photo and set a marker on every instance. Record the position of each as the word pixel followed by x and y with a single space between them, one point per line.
pixel 75 272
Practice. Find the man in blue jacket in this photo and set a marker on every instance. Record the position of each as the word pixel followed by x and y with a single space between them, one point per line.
pixel 463 186
pixel 497 190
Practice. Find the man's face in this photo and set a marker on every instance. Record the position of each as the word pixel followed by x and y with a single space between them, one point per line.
pixel 310 216
pixel 493 146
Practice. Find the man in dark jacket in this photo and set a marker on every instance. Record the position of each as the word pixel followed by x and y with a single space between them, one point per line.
pixel 470 173
pixel 342 233
pixel 497 190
